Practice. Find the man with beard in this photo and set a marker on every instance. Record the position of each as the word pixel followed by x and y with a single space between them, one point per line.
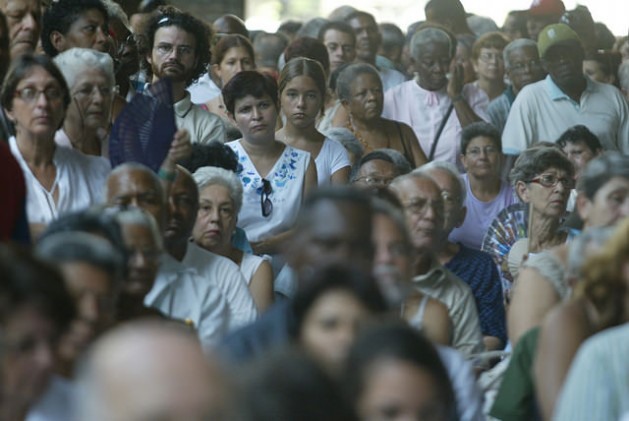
pixel 368 41
pixel 178 48
pixel 545 109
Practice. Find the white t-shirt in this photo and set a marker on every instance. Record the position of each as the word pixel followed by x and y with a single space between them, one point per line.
pixel 249 265
pixel 224 274
pixel 80 179
pixel 332 157
pixel 287 180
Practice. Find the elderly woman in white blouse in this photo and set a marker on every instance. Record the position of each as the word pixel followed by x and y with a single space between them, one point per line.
pixel 90 78
pixel 35 96
pixel 220 200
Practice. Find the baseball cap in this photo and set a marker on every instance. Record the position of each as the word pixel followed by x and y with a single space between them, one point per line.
pixel 558 33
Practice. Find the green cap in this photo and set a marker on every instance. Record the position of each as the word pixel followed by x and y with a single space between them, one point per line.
pixel 558 33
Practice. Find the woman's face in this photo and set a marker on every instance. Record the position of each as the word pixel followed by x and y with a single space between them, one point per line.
pixel 38 104
pixel 544 198
pixel 482 159
pixel 301 101
pixel 366 97
pixel 92 97
pixel 27 357
pixel 490 64
pixel 330 326
pixel 609 205
pixel 398 390
pixel 216 219
pixel 256 118
pixel 432 65
pixel 235 60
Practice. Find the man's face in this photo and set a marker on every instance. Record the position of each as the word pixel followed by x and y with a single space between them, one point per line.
pixel 375 173
pixel 450 187
pixel 564 63
pixel 135 187
pixel 183 204
pixel 143 263
pixel 579 154
pixel 24 20
pixel 432 64
pixel 525 67
pixel 173 54
pixel 338 232
pixel 341 48
pixel 87 31
pixel 424 211
pixel 367 37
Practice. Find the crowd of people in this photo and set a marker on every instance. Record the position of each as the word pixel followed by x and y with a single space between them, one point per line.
pixel 348 221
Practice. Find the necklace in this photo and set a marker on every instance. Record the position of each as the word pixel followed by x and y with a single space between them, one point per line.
pixel 359 137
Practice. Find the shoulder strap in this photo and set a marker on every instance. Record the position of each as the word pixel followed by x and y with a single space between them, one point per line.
pixel 438 134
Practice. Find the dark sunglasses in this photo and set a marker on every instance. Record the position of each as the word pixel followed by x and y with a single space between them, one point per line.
pixel 265 201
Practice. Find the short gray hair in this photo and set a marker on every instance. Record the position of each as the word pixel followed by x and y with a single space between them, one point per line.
pixel 208 176
pixel 75 61
pixel 401 163
pixel 452 170
pixel 349 74
pixel 137 216
pixel 76 246
pixel 537 159
pixel 520 43
pixel 430 35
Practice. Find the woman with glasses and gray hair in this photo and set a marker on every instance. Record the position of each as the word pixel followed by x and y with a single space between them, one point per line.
pixel 220 201
pixel 58 180
pixel 90 78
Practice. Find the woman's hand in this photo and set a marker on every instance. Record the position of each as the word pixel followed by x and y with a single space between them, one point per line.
pixel 456 81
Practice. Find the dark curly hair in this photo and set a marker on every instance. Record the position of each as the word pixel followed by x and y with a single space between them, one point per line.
pixel 171 16
pixel 60 15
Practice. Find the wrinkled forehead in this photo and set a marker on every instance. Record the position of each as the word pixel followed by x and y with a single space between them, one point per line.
pixel 419 188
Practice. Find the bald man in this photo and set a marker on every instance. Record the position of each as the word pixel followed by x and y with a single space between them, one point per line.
pixel 179 292
pixel 148 371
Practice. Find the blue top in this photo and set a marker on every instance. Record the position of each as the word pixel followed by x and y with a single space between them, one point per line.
pixel 477 269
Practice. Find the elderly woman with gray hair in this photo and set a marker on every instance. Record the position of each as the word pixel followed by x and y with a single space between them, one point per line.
pixel 220 200
pixel 359 89
pixel 543 281
pixel 90 78
pixel 436 104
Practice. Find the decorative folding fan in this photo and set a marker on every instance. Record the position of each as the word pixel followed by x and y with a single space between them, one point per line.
pixel 145 128
pixel 510 225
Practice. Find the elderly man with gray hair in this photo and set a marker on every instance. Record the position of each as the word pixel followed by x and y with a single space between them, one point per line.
pixel 523 66
pixel 476 268
pixel 423 206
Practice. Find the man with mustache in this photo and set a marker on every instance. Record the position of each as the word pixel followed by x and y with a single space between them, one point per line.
pixel 178 48
pixel 545 109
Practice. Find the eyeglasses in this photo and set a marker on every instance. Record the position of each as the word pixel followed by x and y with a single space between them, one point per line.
pixel 420 206
pixel 31 95
pixel 265 200
pixel 487 150
pixel 164 49
pixel 523 66
pixel 375 181
pixel 550 180
pixel 489 57
pixel 87 91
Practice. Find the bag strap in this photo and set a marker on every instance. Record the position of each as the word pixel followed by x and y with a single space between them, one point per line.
pixel 438 134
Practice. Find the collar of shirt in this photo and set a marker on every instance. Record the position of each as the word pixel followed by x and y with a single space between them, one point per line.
pixel 183 107
pixel 556 93
pixel 434 275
